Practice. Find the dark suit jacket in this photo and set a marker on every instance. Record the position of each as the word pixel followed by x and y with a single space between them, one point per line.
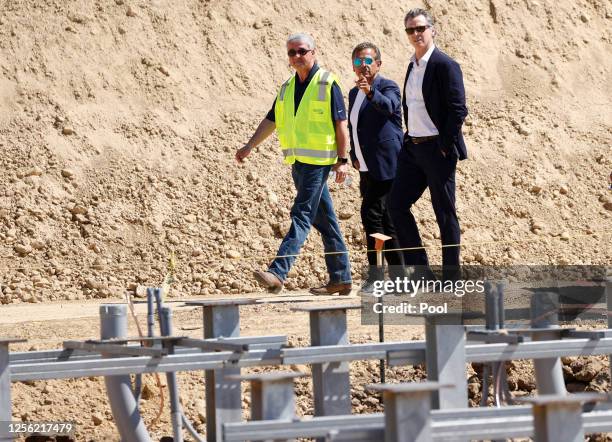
pixel 444 98
pixel 379 128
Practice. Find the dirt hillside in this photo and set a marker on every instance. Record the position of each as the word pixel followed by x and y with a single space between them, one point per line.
pixel 120 119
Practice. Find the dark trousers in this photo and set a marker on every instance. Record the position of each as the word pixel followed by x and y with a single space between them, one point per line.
pixel 420 166
pixel 376 219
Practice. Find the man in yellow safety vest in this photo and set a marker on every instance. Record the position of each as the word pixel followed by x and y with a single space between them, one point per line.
pixel 311 123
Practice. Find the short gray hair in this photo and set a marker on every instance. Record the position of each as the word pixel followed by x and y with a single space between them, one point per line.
pixel 302 37
pixel 415 12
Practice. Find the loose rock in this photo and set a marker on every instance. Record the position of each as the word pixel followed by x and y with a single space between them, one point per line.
pixel 97 419
pixel 22 249
pixel 35 171
pixel 67 173
pixel 78 210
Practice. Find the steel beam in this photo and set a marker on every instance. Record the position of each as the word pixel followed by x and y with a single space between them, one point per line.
pixel 538 350
pixel 330 380
pixel 447 425
pixel 317 427
pixel 558 418
pixel 253 343
pixel 445 361
pixel 357 435
pixel 114 349
pixel 544 315
pixel 223 397
pixel 126 414
pixel 190 360
pixel 408 410
pixel 173 386
pixel 272 395
pixel 5 390
pixel 350 352
pixel 5 387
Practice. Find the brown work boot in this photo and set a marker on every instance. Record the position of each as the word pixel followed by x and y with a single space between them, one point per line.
pixel 331 288
pixel 269 280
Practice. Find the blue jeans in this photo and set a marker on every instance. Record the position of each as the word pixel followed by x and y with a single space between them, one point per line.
pixel 313 207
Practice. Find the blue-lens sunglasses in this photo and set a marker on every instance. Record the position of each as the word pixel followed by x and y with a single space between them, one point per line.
pixel 361 61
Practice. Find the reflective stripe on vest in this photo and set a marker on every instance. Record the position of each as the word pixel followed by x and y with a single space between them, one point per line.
pixel 283 89
pixel 323 85
pixel 308 153
pixel 308 135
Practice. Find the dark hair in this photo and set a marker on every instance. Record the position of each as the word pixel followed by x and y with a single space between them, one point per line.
pixel 366 45
pixel 419 11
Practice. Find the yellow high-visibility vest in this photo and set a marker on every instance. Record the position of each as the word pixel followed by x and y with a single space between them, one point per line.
pixel 308 135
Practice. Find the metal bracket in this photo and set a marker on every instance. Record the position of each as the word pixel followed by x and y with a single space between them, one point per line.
pixel 494 337
pixel 590 334
pixel 115 349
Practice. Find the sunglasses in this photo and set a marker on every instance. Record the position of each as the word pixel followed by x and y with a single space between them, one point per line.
pixel 419 29
pixel 301 52
pixel 363 61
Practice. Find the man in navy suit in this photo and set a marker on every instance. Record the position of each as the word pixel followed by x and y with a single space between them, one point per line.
pixel 434 110
pixel 375 128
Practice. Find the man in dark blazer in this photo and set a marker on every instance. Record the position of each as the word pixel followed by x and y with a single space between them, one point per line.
pixel 434 110
pixel 375 128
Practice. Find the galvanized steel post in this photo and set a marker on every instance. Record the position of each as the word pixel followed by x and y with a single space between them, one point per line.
pixel 223 396
pixel 5 387
pixel 545 315
pixel 175 406
pixel 113 324
pixel 558 418
pixel 272 395
pixel 445 359
pixel 330 380
pixel 408 410
pixel 609 304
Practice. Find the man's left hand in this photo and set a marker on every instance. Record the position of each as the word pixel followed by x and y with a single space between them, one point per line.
pixel 341 170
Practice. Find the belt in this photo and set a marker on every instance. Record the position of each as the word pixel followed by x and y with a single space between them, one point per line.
pixel 419 140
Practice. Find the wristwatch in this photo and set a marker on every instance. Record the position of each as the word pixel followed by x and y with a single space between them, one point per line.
pixel 342 160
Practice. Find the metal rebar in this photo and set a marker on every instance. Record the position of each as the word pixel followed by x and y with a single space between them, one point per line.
pixel 150 313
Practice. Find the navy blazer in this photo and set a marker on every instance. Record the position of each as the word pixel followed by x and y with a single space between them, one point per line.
pixel 379 128
pixel 444 97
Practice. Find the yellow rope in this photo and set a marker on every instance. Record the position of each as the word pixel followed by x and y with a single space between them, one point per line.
pixel 434 246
